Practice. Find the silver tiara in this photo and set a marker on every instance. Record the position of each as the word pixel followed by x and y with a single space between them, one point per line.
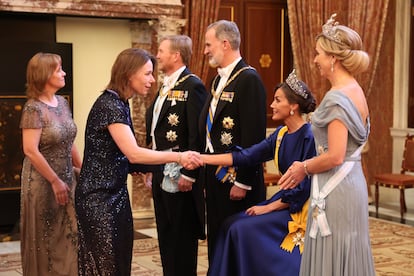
pixel 294 84
pixel 329 30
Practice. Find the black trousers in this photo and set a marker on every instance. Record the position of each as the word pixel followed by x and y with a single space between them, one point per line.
pixel 177 225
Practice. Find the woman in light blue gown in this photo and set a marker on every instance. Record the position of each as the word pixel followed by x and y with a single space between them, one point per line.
pixel 337 235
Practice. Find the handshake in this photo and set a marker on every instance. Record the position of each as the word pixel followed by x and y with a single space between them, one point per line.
pixel 191 160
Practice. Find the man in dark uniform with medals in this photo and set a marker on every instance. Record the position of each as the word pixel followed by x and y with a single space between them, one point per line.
pixel 172 125
pixel 234 115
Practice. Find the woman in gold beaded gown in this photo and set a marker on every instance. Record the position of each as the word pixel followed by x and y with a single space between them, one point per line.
pixel 48 221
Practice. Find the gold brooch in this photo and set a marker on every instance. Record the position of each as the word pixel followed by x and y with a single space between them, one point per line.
pixel 298 238
pixel 320 150
pixel 173 119
pixel 228 123
pixel 226 138
pixel 171 136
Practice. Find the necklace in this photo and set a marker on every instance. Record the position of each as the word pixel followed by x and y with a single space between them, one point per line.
pixel 214 92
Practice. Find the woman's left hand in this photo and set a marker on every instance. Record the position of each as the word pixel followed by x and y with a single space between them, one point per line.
pixel 258 210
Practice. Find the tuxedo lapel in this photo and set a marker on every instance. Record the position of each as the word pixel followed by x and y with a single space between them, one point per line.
pixel 221 104
pixel 167 103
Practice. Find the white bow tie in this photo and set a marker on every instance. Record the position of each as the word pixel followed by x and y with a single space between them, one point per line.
pixel 166 82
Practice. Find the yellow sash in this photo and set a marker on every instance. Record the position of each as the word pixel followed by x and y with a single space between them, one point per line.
pixel 296 227
pixel 280 135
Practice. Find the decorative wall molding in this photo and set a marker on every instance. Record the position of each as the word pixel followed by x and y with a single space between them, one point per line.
pixel 95 8
pixel 169 26
pixel 149 20
pixel 401 77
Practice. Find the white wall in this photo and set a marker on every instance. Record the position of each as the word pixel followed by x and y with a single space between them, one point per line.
pixel 95 45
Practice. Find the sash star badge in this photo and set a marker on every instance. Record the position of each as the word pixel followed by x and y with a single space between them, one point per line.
pixel 320 149
pixel 173 119
pixel 171 136
pixel 226 138
pixel 228 123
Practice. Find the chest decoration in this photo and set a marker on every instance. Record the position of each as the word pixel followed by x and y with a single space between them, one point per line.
pixel 226 138
pixel 227 96
pixel 171 136
pixel 320 149
pixel 177 95
pixel 228 123
pixel 173 119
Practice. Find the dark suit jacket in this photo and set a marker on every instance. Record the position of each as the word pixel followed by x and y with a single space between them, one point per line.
pixel 177 126
pixel 239 120
pixel 186 108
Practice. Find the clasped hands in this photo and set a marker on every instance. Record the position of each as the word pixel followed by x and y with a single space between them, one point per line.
pixel 293 176
pixel 191 160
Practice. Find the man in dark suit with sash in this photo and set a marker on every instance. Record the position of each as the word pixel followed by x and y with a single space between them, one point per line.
pixel 234 115
pixel 172 125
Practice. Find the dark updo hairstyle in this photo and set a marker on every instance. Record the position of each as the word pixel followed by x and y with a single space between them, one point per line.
pixel 307 105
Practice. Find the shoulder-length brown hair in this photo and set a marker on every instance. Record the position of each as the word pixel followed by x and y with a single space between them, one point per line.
pixel 39 69
pixel 126 64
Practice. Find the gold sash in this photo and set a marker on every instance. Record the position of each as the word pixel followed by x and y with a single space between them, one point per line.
pixel 279 138
pixel 297 228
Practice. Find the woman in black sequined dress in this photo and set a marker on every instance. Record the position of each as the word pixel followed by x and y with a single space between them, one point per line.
pixel 102 201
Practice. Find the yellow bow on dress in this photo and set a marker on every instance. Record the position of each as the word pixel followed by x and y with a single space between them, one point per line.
pixel 297 228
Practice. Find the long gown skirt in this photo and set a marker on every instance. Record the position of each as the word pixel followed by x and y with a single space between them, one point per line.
pixel 250 245
pixel 347 251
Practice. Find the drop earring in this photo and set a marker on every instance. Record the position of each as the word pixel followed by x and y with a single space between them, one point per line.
pixel 292 112
pixel 332 66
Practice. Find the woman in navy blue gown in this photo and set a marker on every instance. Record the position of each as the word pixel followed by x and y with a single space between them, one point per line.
pixel 268 239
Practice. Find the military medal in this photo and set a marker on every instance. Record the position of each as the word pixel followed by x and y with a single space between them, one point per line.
pixel 173 119
pixel 228 123
pixel 226 138
pixel 171 136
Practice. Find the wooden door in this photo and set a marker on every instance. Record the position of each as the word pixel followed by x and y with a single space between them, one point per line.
pixel 265 40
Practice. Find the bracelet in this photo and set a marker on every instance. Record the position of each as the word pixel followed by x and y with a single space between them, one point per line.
pixel 179 158
pixel 305 167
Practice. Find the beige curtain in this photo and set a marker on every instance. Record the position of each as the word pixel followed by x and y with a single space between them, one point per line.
pixel 200 14
pixel 306 18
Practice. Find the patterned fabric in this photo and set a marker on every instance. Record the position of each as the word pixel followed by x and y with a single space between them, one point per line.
pixel 102 200
pixel 48 230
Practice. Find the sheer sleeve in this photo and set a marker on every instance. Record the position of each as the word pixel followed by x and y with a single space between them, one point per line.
pixel 31 115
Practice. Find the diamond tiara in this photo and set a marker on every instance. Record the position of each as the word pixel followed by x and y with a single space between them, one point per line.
pixel 329 30
pixel 294 84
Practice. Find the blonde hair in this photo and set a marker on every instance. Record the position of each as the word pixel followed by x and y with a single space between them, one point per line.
pixel 348 51
pixel 182 44
pixel 39 69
